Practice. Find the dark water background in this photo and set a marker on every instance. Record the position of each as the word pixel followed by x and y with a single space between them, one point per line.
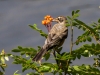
pixel 15 15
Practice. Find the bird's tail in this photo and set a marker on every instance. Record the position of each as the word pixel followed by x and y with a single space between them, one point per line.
pixel 39 55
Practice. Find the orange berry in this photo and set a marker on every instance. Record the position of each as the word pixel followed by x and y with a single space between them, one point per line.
pixel 50 19
pixel 47 16
pixel 47 21
pixel 44 22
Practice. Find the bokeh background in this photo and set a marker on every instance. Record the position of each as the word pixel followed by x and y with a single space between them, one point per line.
pixel 15 15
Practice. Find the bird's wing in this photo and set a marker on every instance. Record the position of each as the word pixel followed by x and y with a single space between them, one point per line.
pixel 57 33
pixel 54 40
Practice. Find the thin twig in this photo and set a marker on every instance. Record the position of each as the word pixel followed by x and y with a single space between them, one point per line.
pixel 71 39
pixel 71 47
pixel 95 39
pixel 76 41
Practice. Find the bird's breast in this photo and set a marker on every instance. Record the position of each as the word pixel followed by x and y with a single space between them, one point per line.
pixel 59 27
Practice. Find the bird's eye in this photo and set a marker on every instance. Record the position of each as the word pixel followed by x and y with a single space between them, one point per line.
pixel 60 19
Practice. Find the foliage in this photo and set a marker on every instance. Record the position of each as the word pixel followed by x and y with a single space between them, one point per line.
pixel 3 65
pixel 63 66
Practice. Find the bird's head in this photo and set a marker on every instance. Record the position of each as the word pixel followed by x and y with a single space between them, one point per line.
pixel 60 19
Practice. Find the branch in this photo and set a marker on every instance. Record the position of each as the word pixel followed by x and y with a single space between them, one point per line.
pixel 71 47
pixel 71 39
pixel 95 39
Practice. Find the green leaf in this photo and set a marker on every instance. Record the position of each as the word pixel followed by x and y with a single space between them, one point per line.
pixel 77 68
pixel 78 56
pixel 44 68
pixel 77 43
pixel 74 57
pixel 58 56
pixel 84 39
pixel 80 22
pixel 22 53
pixel 87 67
pixel 85 54
pixel 16 73
pixel 47 56
pixel 2 68
pixel 84 29
pixel 94 25
pixel 2 60
pixel 97 46
pixel 69 18
pixel 67 25
pixel 79 37
pixel 48 64
pixel 97 36
pixel 76 15
pixel 72 13
pixel 99 21
pixel 19 47
pixel 29 61
pixel 16 50
pixel 98 27
pixel 77 11
pixel 79 27
pixel 93 45
pixel 89 39
pixel 24 68
pixel 75 24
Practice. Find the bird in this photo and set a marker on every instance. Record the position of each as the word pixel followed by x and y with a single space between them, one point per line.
pixel 55 38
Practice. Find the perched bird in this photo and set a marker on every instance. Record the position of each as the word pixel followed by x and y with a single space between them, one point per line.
pixel 56 37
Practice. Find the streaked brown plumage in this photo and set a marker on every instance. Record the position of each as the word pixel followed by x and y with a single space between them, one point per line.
pixel 56 37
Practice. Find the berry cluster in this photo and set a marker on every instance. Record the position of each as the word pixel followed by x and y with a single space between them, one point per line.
pixel 47 20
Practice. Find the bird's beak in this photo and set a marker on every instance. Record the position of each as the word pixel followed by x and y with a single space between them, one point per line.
pixel 55 20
